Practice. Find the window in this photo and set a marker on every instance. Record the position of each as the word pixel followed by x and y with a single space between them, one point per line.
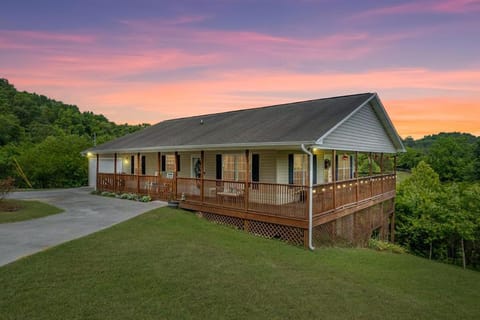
pixel 132 165
pixel 233 167
pixel 170 163
pixel 344 164
pixel 297 169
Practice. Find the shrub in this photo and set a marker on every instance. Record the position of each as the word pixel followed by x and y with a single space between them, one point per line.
pixel 107 194
pixel 145 199
pixel 132 196
pixel 380 245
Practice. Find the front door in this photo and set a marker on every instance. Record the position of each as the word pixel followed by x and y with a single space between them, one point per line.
pixel 196 167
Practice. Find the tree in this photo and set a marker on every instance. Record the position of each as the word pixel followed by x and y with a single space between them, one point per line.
pixel 477 160
pixel 410 158
pixel 56 162
pixel 417 210
pixel 10 129
pixel 452 157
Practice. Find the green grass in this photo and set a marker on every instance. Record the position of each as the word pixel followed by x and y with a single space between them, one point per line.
pixel 169 264
pixel 27 210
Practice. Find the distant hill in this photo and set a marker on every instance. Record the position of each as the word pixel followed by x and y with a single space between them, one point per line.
pixel 426 142
pixel 454 156
pixel 46 136
pixel 29 117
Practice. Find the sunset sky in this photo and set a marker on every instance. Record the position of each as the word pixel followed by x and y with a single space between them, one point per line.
pixel 147 61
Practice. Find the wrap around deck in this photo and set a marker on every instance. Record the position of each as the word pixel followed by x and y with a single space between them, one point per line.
pixel 283 204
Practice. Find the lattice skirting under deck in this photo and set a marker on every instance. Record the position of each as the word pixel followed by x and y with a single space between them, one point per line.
pixel 292 235
pixel 355 229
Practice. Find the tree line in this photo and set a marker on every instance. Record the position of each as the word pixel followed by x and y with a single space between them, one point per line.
pixel 41 139
pixel 438 206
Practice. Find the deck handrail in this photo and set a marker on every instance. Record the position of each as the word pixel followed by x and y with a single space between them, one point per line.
pixel 285 200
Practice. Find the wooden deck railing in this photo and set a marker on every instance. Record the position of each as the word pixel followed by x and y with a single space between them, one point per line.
pixel 283 200
pixel 154 186
pixel 349 192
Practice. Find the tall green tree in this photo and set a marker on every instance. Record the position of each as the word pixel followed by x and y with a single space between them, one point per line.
pixel 418 225
pixel 453 158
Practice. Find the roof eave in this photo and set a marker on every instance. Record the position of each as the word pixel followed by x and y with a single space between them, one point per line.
pixel 227 146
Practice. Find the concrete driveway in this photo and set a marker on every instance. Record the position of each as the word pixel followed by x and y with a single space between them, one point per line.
pixel 84 214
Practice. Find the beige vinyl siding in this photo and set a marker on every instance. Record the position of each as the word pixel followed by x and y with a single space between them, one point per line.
pixel 361 132
pixel 150 163
pixel 267 167
pixel 282 167
pixel 186 164
pixel 210 165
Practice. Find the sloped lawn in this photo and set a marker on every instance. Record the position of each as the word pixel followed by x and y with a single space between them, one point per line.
pixel 13 210
pixel 169 264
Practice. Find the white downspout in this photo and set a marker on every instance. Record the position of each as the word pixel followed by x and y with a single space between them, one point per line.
pixel 310 197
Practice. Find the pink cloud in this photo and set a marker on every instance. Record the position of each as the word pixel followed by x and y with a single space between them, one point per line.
pixel 439 6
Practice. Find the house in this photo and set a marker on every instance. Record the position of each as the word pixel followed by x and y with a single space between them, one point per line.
pixel 306 172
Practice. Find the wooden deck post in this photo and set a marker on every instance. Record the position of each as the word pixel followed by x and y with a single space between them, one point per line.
pixel 96 174
pixel 175 176
pixel 159 167
pixel 357 191
pixel 202 173
pixel 305 238
pixel 382 169
pixel 138 173
pixel 247 176
pixel 334 178
pixel 115 172
pixel 370 158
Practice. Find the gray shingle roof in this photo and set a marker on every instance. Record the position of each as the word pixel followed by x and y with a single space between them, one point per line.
pixel 297 122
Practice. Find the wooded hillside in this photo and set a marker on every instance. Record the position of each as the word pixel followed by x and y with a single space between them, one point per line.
pixel 438 206
pixel 45 137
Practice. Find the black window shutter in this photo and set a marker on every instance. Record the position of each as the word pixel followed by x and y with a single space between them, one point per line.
pixel 314 169
pixel 144 165
pixel 290 168
pixel 351 167
pixel 178 162
pixel 164 165
pixel 336 167
pixel 132 164
pixel 218 167
pixel 255 167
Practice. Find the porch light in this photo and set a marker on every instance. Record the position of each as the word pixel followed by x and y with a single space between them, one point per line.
pixel 125 160
pixel 89 154
pixel 345 157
